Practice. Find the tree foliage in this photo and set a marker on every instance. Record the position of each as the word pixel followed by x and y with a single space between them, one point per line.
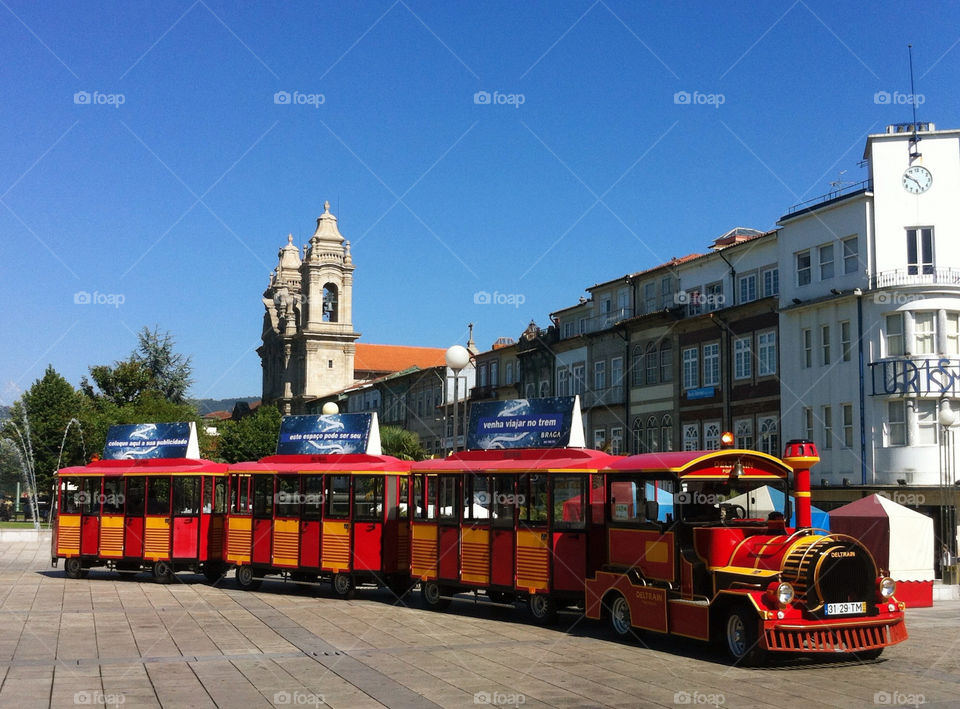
pixel 401 443
pixel 171 370
pixel 250 438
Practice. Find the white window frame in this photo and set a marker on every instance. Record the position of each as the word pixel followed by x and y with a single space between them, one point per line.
pixel 825 258
pixel 743 433
pixel 850 250
pixel 846 413
pixel 920 240
pixel 927 422
pixel 826 417
pixel 600 375
pixel 768 428
pixel 747 288
pixel 743 357
pixel 766 353
pixel 691 368
pixel 691 436
pixel 771 281
pixel 895 427
pixel 924 341
pixel 825 358
pixel 616 440
pixel 711 435
pixel 804 270
pixel 846 353
pixel 806 339
pixel 893 339
pixel 711 364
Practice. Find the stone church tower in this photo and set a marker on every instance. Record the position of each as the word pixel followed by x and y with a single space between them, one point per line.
pixel 308 338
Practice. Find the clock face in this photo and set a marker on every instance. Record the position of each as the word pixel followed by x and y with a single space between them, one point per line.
pixel 917 179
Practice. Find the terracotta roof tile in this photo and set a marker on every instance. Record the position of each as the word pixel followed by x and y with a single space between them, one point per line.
pixel 395 358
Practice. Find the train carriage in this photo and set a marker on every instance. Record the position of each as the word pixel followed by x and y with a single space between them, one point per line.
pixel 713 570
pixel 339 515
pixel 150 505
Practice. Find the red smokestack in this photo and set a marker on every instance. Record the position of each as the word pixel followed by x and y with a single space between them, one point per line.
pixel 801 455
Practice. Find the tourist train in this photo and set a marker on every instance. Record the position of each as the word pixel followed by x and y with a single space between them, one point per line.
pixel 675 543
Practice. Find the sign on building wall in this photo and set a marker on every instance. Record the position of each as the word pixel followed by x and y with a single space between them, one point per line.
pixel 919 376
pixel 552 422
pixel 329 434
pixel 151 440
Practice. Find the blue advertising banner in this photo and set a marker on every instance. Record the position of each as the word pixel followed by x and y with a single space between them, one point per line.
pixel 329 434
pixel 151 440
pixel 525 423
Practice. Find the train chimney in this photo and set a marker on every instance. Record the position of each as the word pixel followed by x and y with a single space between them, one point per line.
pixel 801 455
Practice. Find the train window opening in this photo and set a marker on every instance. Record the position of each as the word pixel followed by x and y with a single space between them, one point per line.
pixel 368 497
pixel 338 496
pixel 569 501
pixel 505 500
pixel 219 495
pixel 71 499
pixel 186 495
pixel 91 496
pixel 262 495
pixel 403 502
pixel 312 497
pixel 240 495
pixel 535 509
pixel 287 497
pixel 477 497
pixel 731 499
pixel 113 496
pixel 448 497
pixel 207 494
pixel 158 496
pixel 432 485
pixel 136 498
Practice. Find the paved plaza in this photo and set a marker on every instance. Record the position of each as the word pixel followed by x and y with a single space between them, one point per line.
pixel 106 641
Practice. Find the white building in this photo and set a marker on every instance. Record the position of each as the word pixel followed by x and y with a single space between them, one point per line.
pixel 870 319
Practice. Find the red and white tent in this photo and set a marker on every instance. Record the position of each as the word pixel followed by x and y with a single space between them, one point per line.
pixel 900 539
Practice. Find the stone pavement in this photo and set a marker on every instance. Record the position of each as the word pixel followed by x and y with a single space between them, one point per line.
pixel 105 641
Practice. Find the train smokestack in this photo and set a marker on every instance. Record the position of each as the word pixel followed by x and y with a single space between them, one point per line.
pixel 801 455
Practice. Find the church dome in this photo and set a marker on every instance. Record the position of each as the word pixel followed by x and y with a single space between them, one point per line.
pixel 327 227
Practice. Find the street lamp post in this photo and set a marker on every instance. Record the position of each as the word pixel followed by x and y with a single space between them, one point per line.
pixel 946 417
pixel 457 358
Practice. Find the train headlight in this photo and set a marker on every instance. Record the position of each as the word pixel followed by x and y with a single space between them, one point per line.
pixel 780 594
pixel 886 587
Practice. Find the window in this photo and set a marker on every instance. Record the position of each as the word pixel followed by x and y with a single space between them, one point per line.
pixel 649 297
pixel 287 498
pixel 747 288
pixel 582 325
pixel 767 353
pixel 742 362
pixel 158 496
pixel 925 332
pixel 476 497
pixel 824 345
pixel 599 438
pixel 666 433
pixel 919 251
pixel 847 410
pixel 637 366
pixel 714 296
pixel 563 382
pixel 599 375
pixel 691 437
pixel 638 436
pixel 691 368
pixel 826 261
pixel 544 391
pixel 616 440
pixel 653 435
pixel 579 380
pixel 494 374
pixel 338 496
pixel 771 282
pixel 367 496
pixel 711 435
pixel 568 329
pixel 694 301
pixel 666 361
pixel 926 422
pixel 845 340
pixel 803 268
pixel 623 301
pixel 743 430
pixel 827 419
pixel 666 291
pixel 616 371
pixel 568 501
pixel 313 497
pixel 711 365
pixel 482 375
pixel 186 495
pixel 449 507
pixel 504 497
pixel 952 336
pixel 808 423
pixel 850 255
pixel 896 426
pixel 769 435
pixel 893 335
pixel 807 338
pixel 651 363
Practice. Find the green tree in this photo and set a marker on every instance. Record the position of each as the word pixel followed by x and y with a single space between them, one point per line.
pixel 250 438
pixel 38 421
pixel 171 371
pixel 401 443
pixel 123 383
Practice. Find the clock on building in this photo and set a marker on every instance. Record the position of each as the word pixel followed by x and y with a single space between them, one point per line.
pixel 917 179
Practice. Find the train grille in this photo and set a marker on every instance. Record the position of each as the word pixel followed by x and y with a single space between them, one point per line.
pixel 533 567
pixel 239 543
pixel 286 547
pixel 111 541
pixel 336 551
pixel 851 639
pixel 68 540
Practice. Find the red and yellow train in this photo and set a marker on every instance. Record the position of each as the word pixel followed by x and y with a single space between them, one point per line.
pixel 651 542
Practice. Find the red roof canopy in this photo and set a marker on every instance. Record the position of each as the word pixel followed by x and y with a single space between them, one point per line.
pixel 518 460
pixel 353 462
pixel 145 466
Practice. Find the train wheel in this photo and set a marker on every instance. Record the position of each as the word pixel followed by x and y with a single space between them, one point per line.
pixel 430 593
pixel 543 608
pixel 620 616
pixel 343 586
pixel 162 572
pixel 73 567
pixel 742 639
pixel 213 571
pixel 245 578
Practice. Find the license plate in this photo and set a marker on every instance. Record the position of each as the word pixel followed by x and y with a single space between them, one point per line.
pixel 848 608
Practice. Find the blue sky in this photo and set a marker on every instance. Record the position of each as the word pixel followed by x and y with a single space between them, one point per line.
pixel 146 162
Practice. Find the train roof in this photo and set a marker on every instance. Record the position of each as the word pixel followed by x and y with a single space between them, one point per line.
pixel 703 463
pixel 518 460
pixel 324 463
pixel 146 466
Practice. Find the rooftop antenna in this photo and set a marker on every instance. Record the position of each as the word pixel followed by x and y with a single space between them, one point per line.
pixel 839 183
pixel 914 153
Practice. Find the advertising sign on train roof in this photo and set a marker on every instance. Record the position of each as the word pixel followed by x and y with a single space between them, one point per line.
pixel 551 422
pixel 152 440
pixel 329 434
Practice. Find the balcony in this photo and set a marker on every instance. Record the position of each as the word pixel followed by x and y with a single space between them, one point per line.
pixel 605 321
pixel 921 275
pixel 610 396
pixel 487 391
